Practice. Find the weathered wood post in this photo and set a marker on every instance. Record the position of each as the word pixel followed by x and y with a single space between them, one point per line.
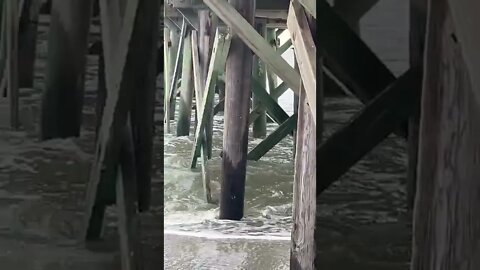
pixel 167 43
pixel 175 43
pixel 446 215
pixel 235 139
pixel 418 21
pixel 101 90
pixel 296 103
pixel 304 232
pixel 64 84
pixel 259 128
pixel 143 102
pixel 11 39
pixel 271 76
pixel 272 81
pixel 303 250
pixel 205 40
pixel 27 42
pixel 186 92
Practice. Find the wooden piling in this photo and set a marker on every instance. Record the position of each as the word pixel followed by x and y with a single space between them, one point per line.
pixel 235 138
pixel 446 211
pixel 128 43
pixel 271 77
pixel 186 92
pixel 418 21
pixel 64 84
pixel 175 57
pixel 198 83
pixel 101 91
pixel 222 41
pixel 205 39
pixel 143 100
pixel 128 220
pixel 172 93
pixel 295 109
pixel 303 250
pixel 12 15
pixel 304 232
pixel 27 42
pixel 167 44
pixel 259 128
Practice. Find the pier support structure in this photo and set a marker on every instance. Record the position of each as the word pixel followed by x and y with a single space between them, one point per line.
pixel 64 84
pixel 9 90
pixel 446 214
pixel 231 62
pixel 121 171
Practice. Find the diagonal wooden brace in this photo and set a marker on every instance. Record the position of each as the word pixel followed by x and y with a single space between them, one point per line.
pixel 368 128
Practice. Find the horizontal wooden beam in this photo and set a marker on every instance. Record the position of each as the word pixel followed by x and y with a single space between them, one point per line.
pixel 271 14
pixel 368 128
pixel 255 42
pixel 198 4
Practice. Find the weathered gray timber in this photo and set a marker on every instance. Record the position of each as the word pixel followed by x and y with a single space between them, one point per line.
pixel 206 35
pixel 303 250
pixel 235 137
pixel 64 84
pixel 27 41
pixel 445 233
pixel 142 77
pixel 222 41
pixel 172 93
pixel 11 23
pixel 259 128
pixel 272 139
pixel 186 92
pixel 418 21
pixel 367 129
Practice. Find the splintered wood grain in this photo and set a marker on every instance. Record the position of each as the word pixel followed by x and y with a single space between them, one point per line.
pixel 304 191
pixel 447 217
